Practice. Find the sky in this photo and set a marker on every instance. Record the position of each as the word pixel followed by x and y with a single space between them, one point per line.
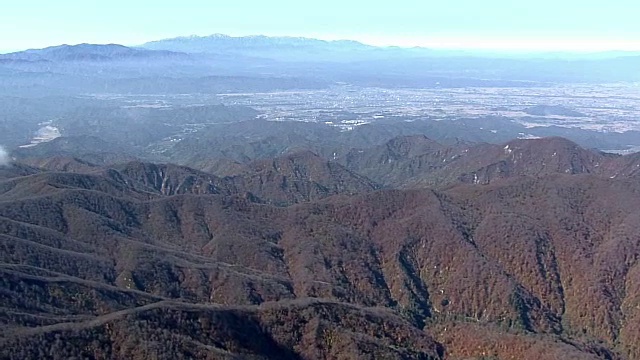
pixel 526 25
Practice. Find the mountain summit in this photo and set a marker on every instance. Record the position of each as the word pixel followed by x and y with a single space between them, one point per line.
pixel 220 42
pixel 280 48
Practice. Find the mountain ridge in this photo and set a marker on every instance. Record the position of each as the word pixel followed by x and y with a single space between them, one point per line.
pixel 432 257
pixel 91 52
pixel 426 163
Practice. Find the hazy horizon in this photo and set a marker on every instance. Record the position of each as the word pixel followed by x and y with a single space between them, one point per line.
pixel 496 46
pixel 497 25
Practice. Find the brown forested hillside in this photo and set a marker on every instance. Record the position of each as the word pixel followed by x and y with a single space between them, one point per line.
pixel 539 264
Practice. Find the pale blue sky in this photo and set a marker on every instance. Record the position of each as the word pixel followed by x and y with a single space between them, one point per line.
pixel 537 25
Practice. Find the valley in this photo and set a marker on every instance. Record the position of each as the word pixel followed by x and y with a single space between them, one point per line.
pixel 603 107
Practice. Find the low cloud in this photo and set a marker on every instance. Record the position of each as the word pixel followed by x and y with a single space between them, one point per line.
pixel 5 159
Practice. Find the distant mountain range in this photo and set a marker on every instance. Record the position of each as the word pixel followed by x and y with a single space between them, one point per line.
pixel 259 43
pixel 277 47
pixel 308 62
pixel 219 41
pixel 282 48
pixel 91 52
